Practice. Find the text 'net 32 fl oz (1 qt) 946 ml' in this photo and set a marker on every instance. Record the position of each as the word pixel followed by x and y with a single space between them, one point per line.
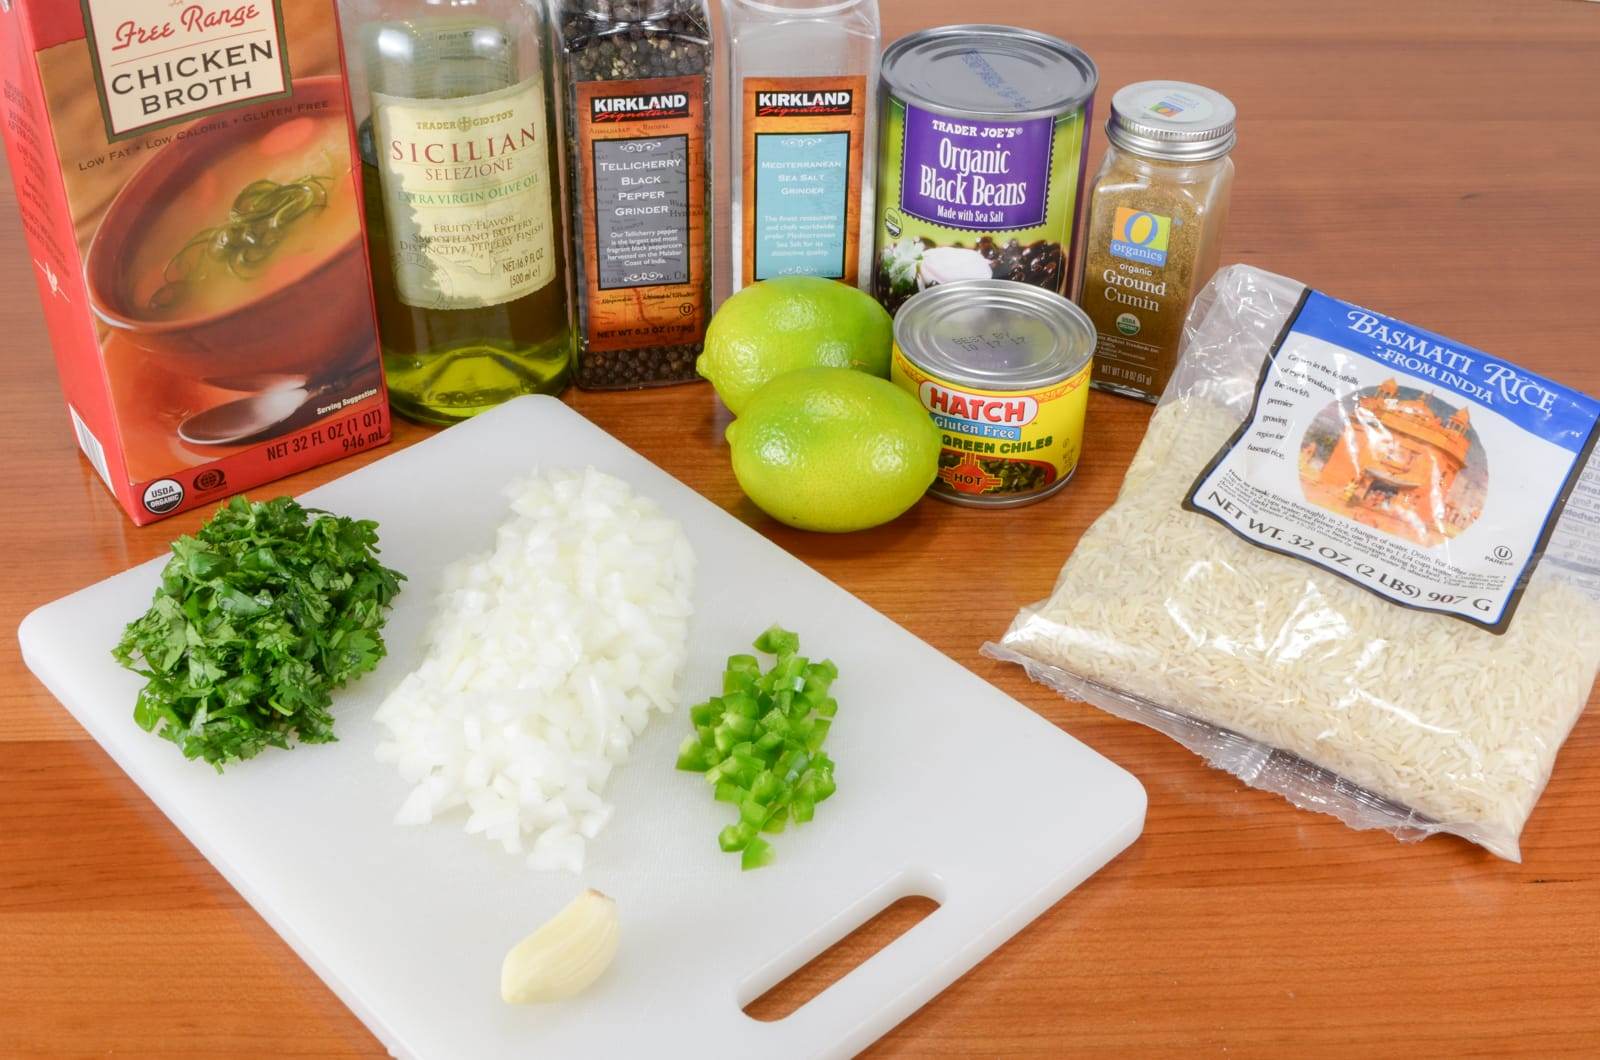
pixel 1353 562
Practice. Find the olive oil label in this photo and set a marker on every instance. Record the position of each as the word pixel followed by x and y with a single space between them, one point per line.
pixel 1421 470
pixel 975 199
pixel 156 62
pixel 640 147
pixel 801 161
pixel 466 190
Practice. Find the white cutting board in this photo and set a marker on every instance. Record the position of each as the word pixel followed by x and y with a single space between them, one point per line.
pixel 947 788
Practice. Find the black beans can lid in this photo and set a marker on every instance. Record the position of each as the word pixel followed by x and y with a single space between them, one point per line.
pixel 989 71
pixel 994 334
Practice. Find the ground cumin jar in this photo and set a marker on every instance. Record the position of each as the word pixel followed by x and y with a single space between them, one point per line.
pixel 1003 369
pixel 1156 213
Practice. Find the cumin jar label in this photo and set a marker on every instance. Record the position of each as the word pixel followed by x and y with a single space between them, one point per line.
pixel 1003 369
pixel 980 159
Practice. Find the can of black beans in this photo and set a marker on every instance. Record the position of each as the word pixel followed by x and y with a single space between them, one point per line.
pixel 981 153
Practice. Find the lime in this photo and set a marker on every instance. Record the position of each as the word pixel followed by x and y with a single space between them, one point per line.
pixel 832 449
pixel 779 325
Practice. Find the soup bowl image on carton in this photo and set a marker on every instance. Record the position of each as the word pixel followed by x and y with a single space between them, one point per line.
pixel 235 257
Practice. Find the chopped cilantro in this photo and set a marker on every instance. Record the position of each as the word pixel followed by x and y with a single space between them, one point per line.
pixel 260 616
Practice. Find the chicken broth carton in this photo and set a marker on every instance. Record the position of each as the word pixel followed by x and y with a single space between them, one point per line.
pixel 186 181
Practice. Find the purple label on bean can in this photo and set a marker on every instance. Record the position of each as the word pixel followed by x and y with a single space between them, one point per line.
pixel 984 175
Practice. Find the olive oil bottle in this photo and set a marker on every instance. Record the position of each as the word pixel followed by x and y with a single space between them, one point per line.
pixel 461 184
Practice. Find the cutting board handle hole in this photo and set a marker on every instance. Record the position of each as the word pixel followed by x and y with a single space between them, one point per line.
pixel 840 959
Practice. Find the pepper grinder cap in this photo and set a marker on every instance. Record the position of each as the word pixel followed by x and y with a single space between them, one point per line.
pixel 1172 121
pixel 625 10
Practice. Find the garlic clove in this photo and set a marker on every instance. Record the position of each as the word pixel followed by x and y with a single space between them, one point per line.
pixel 565 955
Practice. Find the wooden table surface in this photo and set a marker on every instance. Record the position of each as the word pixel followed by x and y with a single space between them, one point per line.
pixel 1437 161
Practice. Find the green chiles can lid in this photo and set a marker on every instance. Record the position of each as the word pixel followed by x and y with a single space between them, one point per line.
pixel 994 334
pixel 1171 120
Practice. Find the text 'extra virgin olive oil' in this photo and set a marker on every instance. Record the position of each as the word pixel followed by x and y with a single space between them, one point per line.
pixel 460 177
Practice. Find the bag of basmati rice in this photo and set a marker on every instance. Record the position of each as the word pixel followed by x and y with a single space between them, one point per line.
pixel 1353 562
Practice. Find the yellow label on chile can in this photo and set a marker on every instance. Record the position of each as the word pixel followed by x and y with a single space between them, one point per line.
pixel 1001 447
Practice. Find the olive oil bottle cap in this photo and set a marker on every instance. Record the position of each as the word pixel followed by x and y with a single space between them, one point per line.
pixel 1172 121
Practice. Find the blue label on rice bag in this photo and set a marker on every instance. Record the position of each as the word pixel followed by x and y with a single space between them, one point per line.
pixel 1421 469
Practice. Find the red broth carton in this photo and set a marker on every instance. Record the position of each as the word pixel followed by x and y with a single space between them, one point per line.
pixel 185 172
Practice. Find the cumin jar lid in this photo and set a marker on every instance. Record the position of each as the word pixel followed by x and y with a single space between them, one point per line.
pixel 1172 121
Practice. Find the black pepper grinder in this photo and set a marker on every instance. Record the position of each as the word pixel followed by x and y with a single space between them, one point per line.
pixel 638 110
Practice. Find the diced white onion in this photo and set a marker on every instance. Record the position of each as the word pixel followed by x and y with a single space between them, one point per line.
pixel 543 662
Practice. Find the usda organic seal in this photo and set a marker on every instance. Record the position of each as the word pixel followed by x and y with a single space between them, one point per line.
pixel 162 495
